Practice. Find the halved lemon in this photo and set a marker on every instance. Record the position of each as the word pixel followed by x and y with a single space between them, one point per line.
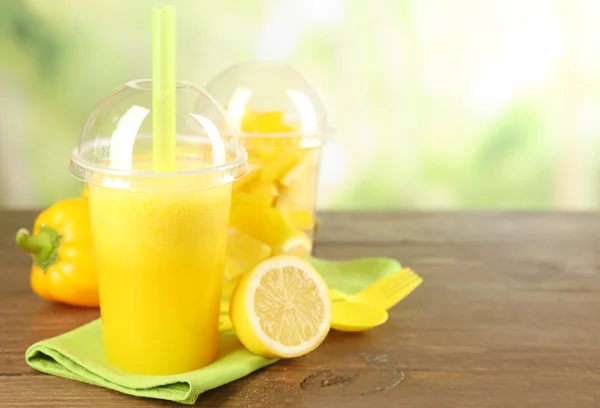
pixel 281 309
pixel 299 245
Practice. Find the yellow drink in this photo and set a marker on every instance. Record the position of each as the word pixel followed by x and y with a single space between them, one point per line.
pixel 160 259
pixel 159 159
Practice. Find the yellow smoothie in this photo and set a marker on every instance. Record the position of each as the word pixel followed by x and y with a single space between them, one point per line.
pixel 160 259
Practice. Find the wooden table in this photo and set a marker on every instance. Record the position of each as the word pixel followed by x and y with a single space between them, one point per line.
pixel 508 316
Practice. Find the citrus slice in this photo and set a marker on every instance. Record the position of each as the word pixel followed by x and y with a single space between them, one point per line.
pixel 243 253
pixel 299 245
pixel 281 309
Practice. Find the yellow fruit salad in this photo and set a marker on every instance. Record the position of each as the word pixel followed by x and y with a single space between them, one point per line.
pixel 281 122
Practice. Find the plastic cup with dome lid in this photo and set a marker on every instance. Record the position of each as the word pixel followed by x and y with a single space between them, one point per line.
pixel 282 121
pixel 159 158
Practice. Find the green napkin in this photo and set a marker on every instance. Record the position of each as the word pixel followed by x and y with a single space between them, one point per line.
pixel 78 354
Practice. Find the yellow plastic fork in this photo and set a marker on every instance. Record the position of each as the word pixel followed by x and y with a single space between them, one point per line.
pixel 386 292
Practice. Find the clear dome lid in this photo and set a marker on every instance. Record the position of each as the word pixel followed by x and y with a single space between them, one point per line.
pixel 271 99
pixel 117 149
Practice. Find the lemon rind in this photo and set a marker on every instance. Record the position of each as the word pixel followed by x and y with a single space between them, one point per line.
pixel 269 343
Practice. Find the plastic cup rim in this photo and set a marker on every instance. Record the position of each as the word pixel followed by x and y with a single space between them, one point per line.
pixel 320 134
pixel 240 161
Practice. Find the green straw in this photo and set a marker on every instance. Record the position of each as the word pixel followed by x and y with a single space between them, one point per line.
pixel 163 88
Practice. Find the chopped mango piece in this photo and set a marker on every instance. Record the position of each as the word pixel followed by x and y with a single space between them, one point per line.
pixel 301 219
pixel 272 122
pixel 241 196
pixel 244 252
pixel 297 195
pixel 241 182
pixel 264 122
pixel 232 268
pixel 262 192
pixel 269 225
pixel 278 164
pixel 228 287
pixel 248 123
pixel 268 144
pixel 302 173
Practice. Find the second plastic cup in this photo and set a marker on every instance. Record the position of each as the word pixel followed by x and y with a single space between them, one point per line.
pixel 159 238
pixel 282 122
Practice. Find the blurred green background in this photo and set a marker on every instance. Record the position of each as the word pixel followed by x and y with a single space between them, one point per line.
pixel 438 104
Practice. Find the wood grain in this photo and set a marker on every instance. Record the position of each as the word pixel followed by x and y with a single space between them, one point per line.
pixel 508 316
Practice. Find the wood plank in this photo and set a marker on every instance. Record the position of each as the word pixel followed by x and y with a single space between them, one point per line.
pixel 508 316
pixel 279 388
pixel 369 227
pixel 444 227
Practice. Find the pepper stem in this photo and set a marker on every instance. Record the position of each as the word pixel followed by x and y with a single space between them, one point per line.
pixel 43 246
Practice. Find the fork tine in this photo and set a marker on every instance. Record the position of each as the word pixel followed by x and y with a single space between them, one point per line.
pixel 390 290
pixel 402 293
pixel 399 285
pixel 375 287
pixel 397 278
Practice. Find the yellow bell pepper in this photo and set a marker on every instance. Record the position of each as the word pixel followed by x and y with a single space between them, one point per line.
pixel 62 251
